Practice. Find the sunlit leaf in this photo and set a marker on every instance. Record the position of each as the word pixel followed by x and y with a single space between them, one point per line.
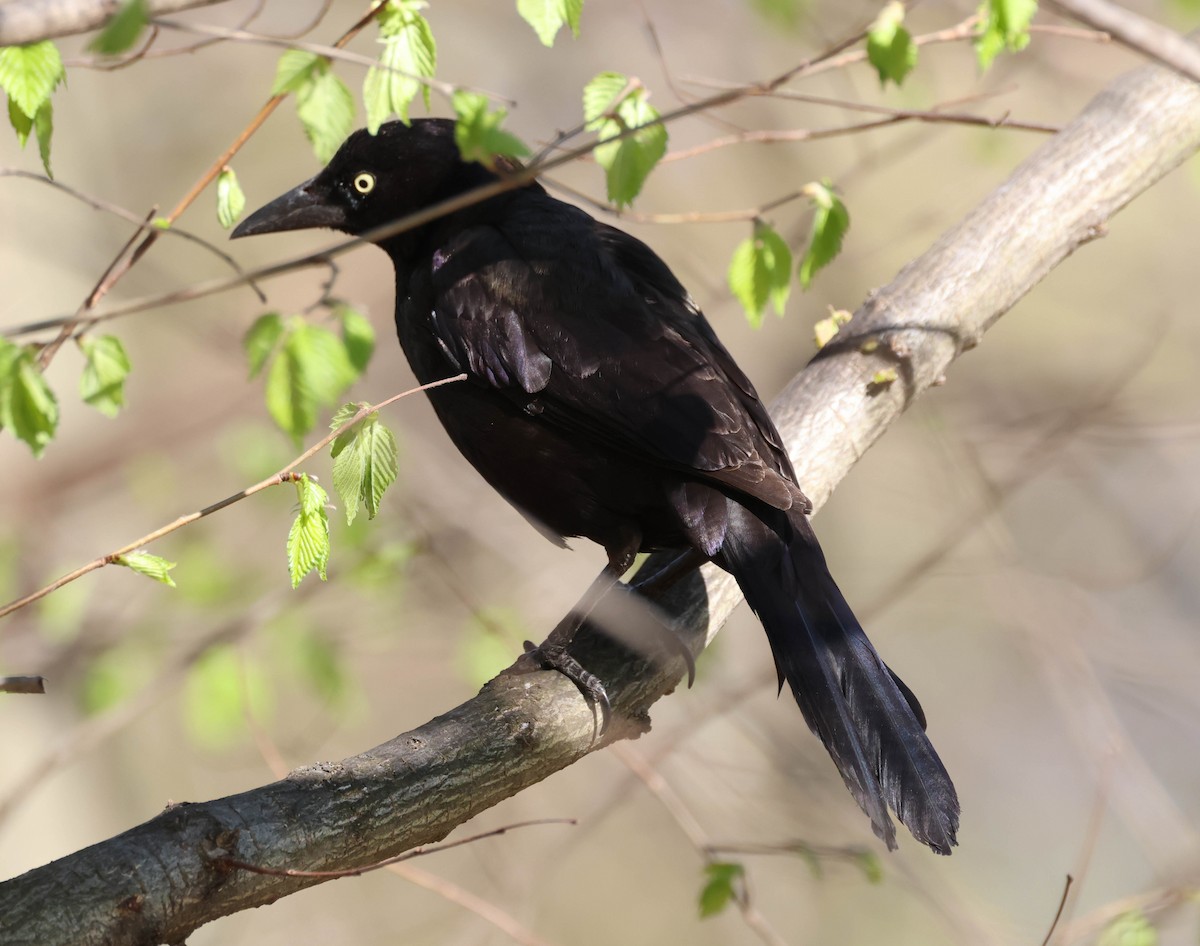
pixel 890 48
pixel 548 16
pixel 308 539
pixel 152 566
pixel 478 133
pixel 102 384
pixel 230 199
pixel 761 272
pixel 831 220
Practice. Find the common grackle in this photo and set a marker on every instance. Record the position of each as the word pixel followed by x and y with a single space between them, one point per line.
pixel 600 403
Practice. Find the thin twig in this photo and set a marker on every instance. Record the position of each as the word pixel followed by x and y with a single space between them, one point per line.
pixel 283 476
pixel 124 214
pixel 27 684
pixel 1062 902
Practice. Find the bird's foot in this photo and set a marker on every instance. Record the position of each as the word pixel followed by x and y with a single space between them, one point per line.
pixel 554 656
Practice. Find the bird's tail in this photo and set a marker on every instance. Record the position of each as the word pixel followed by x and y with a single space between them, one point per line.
pixel 870 722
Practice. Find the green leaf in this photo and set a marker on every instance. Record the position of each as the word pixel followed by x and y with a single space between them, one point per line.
pixel 22 123
pixel 28 408
pixel 478 133
pixel 600 96
pixel 357 335
pixel 547 17
pixel 884 377
pixel 761 272
pixel 1005 26
pixel 312 369
pixel 223 687
pixel 294 70
pixel 260 340
pixel 326 110
pixel 365 461
pixel 43 127
pixel 1129 929
pixel 122 30
pixel 831 220
pixel 152 566
pixel 103 382
pixel 230 199
pixel 308 539
pixel 613 104
pixel 409 55
pixel 719 888
pixel 889 45
pixel 28 74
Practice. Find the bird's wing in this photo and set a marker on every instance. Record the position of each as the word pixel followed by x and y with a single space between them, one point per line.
pixel 588 329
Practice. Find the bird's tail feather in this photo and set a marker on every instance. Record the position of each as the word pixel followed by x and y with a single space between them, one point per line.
pixel 869 721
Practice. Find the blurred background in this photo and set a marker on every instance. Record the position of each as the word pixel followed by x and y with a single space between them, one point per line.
pixel 1022 545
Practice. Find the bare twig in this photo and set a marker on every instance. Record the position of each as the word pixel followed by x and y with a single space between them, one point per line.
pixel 31 684
pixel 285 475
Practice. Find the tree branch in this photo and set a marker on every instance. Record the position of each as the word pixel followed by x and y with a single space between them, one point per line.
pixel 161 880
pixel 27 21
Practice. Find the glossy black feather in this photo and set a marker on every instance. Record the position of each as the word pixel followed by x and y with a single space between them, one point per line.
pixel 601 404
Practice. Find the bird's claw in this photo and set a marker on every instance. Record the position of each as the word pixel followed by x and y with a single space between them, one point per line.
pixel 554 656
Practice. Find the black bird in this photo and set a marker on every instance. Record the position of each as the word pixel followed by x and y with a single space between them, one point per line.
pixel 600 403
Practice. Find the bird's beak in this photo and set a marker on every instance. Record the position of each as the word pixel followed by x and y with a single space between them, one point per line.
pixel 302 208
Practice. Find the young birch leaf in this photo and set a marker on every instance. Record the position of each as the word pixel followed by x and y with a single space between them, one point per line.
pixel 28 74
pixel 889 45
pixel 230 199
pixel 102 384
pixel 312 368
pixel 358 337
pixel 28 408
pixel 295 68
pixel 326 110
pixel 122 31
pixel 1005 27
pixel 152 566
pixel 43 127
pixel 366 461
pixel 409 55
pixel 761 272
pixel 478 133
pixel 719 888
pixel 547 17
pixel 22 124
pixel 831 220
pixel 308 539
pixel 260 340
pixel 613 104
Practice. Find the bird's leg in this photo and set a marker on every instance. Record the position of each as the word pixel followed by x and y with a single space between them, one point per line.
pixel 552 652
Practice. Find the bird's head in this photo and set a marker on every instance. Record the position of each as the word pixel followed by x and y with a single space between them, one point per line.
pixel 373 180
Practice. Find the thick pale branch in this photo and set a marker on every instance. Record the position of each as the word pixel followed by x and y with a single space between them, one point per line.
pixel 27 21
pixel 159 881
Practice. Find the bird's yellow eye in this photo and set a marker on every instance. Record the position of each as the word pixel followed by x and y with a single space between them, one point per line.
pixel 364 183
